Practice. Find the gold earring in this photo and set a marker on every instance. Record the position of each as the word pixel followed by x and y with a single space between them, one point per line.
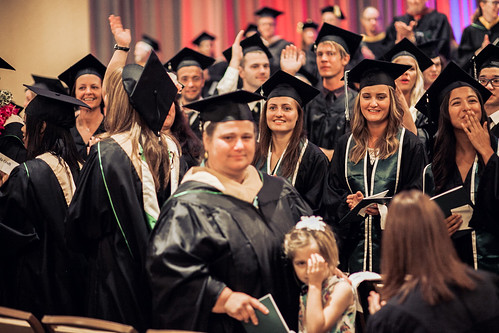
pixel 205 155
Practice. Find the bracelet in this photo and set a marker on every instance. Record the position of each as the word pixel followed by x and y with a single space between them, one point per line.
pixel 121 48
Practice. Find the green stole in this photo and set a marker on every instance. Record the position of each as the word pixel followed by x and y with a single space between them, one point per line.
pixel 385 176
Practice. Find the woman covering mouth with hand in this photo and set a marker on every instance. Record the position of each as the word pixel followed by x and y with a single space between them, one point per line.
pixel 84 80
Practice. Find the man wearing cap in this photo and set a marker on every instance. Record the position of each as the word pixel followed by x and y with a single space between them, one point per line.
pixel 189 65
pixel 143 49
pixel 487 63
pixel 266 20
pixel 249 60
pixel 431 50
pixel 332 15
pixel 420 24
pixel 204 43
pixel 373 39
pixel 326 115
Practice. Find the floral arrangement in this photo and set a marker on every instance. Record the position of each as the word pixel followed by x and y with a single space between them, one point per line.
pixel 311 223
pixel 7 108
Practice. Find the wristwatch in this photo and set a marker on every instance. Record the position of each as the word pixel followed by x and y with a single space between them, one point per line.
pixel 121 48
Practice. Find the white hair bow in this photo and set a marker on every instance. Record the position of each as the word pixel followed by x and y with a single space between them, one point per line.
pixel 311 223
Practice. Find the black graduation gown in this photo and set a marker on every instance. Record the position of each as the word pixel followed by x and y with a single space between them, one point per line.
pixel 472 40
pixel 376 44
pixel 216 72
pixel 81 146
pixel 38 273
pixel 11 142
pixel 485 218
pixel 334 207
pixel 325 119
pixel 474 310
pixel 495 131
pixel 433 25
pixel 112 237
pixel 311 175
pixel 205 240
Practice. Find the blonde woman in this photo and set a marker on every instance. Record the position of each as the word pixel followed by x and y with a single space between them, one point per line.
pixel 379 155
pixel 124 182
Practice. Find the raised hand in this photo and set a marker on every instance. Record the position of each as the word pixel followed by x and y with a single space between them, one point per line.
pixel 405 31
pixel 237 51
pixel 291 59
pixel 122 37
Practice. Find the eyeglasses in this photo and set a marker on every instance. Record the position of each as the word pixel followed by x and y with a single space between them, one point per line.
pixel 494 82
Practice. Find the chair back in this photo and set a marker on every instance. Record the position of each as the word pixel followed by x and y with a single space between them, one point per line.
pixel 70 324
pixel 16 321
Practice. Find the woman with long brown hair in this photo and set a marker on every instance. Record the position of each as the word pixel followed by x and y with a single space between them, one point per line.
pixel 426 287
pixel 127 177
pixel 379 155
pixel 465 154
pixel 283 148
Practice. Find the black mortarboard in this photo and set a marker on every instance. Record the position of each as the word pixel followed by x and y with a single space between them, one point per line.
pixel 406 48
pixel 349 40
pixel 49 83
pixel 87 65
pixel 373 72
pixel 52 107
pixel 11 142
pixel 267 11
pixel 203 36
pixel 307 75
pixel 226 107
pixel 250 27
pixel 307 24
pixel 250 44
pixel 451 77
pixel 284 84
pixel 151 91
pixel 431 48
pixel 336 10
pixel 488 57
pixel 151 41
pixel 5 65
pixel 188 57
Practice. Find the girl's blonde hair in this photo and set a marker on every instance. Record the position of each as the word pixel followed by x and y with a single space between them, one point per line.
pixel 121 117
pixel 298 238
pixel 387 145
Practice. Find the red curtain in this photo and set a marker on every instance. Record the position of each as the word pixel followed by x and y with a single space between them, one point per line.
pixel 174 23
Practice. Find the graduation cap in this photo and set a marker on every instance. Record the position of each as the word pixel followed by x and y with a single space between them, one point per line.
pixel 87 65
pixel 151 41
pixel 406 48
pixel 49 83
pixel 451 77
pixel 307 24
pixel 202 37
pixel 373 72
pixel 268 12
pixel 488 57
pixel 226 107
pixel 5 65
pixel 53 107
pixel 431 48
pixel 336 10
pixel 151 91
pixel 307 75
pixel 250 44
pixel 349 40
pixel 284 84
pixel 188 57
pixel 249 28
